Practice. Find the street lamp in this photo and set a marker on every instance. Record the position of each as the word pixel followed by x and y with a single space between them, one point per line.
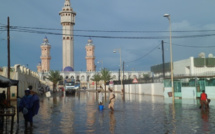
pixel 114 51
pixel 171 68
pixel 100 61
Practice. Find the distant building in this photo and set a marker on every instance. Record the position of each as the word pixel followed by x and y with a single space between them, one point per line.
pixel 68 21
pixel 90 58
pixel 191 67
pixel 45 57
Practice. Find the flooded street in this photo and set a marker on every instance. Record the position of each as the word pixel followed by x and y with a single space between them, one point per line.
pixel 139 114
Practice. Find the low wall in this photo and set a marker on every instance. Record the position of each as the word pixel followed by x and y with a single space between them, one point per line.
pixel 190 92
pixel 148 89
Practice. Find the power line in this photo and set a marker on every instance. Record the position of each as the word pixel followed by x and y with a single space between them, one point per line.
pixel 37 30
pixel 21 27
pixel 144 55
pixel 193 46
pixel 115 37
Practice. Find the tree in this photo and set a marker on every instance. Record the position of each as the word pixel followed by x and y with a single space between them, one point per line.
pixel 54 77
pixel 96 78
pixel 146 77
pixel 105 76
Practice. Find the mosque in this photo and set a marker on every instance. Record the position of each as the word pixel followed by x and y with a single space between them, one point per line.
pixel 67 16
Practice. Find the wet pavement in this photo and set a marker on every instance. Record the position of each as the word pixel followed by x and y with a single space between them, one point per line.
pixel 138 114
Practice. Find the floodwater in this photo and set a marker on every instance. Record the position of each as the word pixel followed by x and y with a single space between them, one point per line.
pixel 138 114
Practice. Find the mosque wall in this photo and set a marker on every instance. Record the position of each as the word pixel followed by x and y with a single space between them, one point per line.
pixel 25 76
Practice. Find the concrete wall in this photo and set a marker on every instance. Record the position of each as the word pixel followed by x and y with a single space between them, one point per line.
pixel 180 66
pixel 25 76
pixel 188 92
pixel 147 89
pixel 210 92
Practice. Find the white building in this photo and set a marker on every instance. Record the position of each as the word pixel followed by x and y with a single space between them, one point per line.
pixel 199 66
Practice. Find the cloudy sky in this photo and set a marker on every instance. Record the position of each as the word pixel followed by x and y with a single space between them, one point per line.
pixel 137 27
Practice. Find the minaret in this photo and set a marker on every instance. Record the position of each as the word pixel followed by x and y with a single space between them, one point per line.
pixel 39 67
pixel 45 55
pixel 90 58
pixel 68 21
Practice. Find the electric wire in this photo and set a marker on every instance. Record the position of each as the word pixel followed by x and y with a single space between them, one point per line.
pixel 144 55
pixel 193 46
pixel 114 37
pixel 19 27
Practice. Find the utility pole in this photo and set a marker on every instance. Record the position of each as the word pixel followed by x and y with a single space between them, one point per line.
pixel 162 43
pixel 8 53
pixel 119 75
pixel 123 81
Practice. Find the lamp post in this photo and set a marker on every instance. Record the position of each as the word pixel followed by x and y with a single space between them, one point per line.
pixel 171 68
pixel 114 51
pixel 100 61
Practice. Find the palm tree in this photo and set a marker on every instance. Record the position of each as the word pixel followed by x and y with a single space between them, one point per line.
pixel 146 77
pixel 105 76
pixel 96 78
pixel 54 77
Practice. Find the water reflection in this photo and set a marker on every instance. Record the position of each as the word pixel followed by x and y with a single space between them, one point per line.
pixel 63 114
pixel 112 122
pixel 205 120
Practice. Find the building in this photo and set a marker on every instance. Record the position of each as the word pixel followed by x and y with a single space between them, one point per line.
pixel 90 58
pixel 190 77
pixel 45 57
pixel 192 67
pixel 67 21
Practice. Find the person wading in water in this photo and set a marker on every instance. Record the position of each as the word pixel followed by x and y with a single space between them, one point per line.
pixel 112 100
pixel 204 100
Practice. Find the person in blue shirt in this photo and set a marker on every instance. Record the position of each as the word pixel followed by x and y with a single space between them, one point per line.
pixel 36 101
pixel 26 106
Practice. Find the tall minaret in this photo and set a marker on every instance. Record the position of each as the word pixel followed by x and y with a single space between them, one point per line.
pixel 45 55
pixel 90 58
pixel 68 21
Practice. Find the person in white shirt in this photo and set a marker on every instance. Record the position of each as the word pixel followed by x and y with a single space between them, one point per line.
pixel 100 94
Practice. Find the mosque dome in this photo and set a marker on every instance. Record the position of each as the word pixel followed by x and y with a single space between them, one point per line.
pixel 45 41
pixel 90 42
pixel 68 69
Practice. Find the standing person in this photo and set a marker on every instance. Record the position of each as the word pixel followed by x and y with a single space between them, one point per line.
pixel 111 99
pixel 100 97
pixel 35 99
pixel 26 106
pixel 203 100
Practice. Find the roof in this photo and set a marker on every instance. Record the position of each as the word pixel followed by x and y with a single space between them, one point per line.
pixel 68 69
pixel 5 82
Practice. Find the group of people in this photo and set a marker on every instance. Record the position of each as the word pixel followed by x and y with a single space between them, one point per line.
pixel 111 98
pixel 43 90
pixel 29 105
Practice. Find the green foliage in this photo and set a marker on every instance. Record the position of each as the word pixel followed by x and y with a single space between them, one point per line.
pixel 105 75
pixel 146 77
pixel 96 77
pixel 54 77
